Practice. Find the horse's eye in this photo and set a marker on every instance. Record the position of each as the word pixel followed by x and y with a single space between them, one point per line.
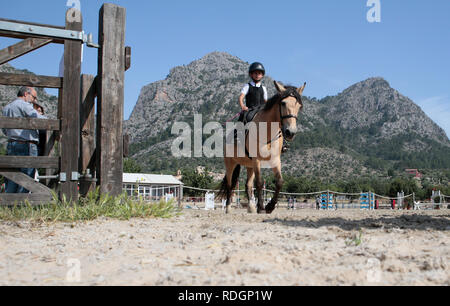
pixel 284 103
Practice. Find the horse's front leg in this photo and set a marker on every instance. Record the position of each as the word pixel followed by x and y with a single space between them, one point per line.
pixel 249 189
pixel 279 184
pixel 259 186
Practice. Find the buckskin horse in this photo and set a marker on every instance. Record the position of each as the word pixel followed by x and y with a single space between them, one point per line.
pixel 280 111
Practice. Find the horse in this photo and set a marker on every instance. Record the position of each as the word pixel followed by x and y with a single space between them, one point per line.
pixel 280 111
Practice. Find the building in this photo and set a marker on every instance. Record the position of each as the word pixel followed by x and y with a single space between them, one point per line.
pixel 414 172
pixel 152 187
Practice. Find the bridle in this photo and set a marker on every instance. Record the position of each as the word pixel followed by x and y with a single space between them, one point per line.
pixel 291 92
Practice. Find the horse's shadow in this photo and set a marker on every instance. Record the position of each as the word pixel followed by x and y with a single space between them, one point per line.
pixel 410 222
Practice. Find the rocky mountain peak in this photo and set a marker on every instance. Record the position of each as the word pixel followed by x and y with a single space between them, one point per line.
pixel 210 68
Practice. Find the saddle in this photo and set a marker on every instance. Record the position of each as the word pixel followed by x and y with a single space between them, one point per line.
pixel 249 115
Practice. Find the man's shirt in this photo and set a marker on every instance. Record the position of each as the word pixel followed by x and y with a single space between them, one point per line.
pixel 21 109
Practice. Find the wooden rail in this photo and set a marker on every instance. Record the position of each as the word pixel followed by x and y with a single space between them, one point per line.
pixel 17 162
pixel 12 79
pixel 29 124
pixel 22 48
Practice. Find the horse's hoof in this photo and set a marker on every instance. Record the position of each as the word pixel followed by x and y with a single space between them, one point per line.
pixel 270 208
pixel 261 211
pixel 269 211
pixel 251 210
pixel 228 210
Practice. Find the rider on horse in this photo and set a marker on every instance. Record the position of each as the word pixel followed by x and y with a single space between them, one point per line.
pixel 254 93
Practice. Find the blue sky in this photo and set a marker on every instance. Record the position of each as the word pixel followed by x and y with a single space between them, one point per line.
pixel 330 44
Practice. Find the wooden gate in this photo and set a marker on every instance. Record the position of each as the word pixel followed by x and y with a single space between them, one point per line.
pixel 90 151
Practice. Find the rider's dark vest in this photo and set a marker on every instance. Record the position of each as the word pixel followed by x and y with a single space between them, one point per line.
pixel 254 97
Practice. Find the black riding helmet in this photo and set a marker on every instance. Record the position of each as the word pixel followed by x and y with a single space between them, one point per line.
pixel 257 67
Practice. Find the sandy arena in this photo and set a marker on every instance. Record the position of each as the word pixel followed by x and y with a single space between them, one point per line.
pixel 301 247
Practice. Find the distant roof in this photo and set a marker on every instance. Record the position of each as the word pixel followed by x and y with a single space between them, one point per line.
pixel 150 179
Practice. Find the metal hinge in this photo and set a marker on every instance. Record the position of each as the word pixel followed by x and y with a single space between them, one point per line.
pixel 48 32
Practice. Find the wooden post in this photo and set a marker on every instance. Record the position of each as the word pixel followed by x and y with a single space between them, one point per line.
pixel 70 110
pixel 87 123
pixel 111 74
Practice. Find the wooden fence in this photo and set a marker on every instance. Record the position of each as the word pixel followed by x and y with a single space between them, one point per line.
pixel 90 150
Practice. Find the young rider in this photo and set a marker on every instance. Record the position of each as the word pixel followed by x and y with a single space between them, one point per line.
pixel 254 93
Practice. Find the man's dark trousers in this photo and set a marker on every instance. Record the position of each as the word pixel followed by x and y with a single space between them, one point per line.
pixel 21 149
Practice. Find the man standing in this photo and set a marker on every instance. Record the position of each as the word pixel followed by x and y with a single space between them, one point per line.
pixel 22 142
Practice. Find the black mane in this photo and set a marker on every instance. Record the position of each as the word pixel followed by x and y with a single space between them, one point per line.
pixel 290 91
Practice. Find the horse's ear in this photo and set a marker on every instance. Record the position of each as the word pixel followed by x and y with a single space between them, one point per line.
pixel 279 87
pixel 301 89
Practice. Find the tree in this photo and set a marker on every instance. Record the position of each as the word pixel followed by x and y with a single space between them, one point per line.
pixel 131 166
pixel 408 186
pixel 192 178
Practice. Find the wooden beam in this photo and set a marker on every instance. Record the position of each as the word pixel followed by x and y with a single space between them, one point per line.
pixel 87 157
pixel 22 48
pixel 12 79
pixel 29 124
pixel 17 162
pixel 110 104
pixel 70 109
pixel 25 181
pixel 19 199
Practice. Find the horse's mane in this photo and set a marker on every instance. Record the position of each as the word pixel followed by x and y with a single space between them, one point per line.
pixel 290 91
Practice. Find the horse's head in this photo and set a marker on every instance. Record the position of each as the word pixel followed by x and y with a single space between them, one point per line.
pixel 290 104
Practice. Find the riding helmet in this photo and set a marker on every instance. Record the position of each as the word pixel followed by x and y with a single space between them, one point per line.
pixel 257 67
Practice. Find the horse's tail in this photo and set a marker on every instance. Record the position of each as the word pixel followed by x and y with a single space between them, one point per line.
pixel 223 192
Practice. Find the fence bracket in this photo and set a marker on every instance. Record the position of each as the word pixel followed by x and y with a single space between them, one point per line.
pixel 49 32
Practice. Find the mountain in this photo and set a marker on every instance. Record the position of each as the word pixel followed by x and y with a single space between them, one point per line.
pixel 207 86
pixel 9 94
pixel 369 129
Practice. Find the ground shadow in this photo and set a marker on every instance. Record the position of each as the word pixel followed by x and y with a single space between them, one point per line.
pixel 414 222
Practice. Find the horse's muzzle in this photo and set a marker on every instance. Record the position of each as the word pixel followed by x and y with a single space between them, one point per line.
pixel 289 133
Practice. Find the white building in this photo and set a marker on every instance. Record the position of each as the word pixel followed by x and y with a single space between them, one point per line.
pixel 152 187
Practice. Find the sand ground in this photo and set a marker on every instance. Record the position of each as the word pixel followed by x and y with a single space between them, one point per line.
pixel 301 247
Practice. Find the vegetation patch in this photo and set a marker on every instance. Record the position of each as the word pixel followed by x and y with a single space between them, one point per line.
pixel 95 205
